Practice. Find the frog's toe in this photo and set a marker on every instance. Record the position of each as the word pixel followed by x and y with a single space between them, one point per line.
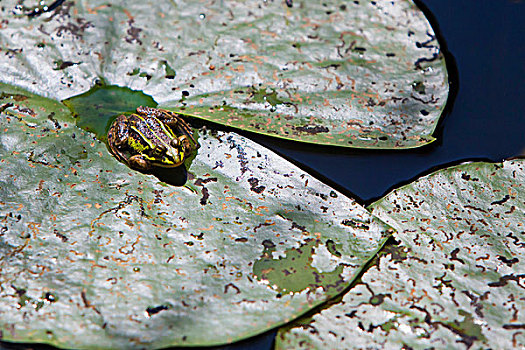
pixel 139 162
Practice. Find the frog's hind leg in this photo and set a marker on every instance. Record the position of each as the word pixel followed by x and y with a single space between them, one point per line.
pixel 119 131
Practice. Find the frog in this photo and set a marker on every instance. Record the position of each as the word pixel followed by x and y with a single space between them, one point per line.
pixel 151 138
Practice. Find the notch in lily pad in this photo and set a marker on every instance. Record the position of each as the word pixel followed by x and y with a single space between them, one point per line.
pixel 96 109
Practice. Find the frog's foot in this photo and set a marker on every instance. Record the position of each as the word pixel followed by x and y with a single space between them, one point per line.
pixel 139 162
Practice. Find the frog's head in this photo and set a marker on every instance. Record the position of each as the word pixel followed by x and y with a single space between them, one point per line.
pixel 168 154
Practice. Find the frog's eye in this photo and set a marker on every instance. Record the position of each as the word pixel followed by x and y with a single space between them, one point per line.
pixel 185 142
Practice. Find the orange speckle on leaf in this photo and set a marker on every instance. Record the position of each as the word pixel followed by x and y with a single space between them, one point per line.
pixel 128 14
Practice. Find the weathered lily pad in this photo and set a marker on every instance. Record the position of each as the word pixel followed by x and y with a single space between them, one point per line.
pixel 355 74
pixel 455 281
pixel 95 255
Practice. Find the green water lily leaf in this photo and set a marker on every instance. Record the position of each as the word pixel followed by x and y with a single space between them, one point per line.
pixel 96 255
pixel 355 74
pixel 97 108
pixel 455 281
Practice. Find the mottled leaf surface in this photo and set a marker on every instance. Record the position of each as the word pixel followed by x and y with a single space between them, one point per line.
pixel 348 73
pixel 95 255
pixel 456 280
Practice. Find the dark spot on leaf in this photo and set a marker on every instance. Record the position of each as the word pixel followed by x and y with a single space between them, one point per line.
pixel 75 29
pixel 514 326
pixel 233 286
pixel 266 223
pixel 50 297
pixel 419 87
pixel 505 279
pixel 204 190
pixel 509 262
pixel 268 244
pixel 152 310
pixel 351 314
pixel 254 185
pixel 59 64
pixel 133 33
pixel 60 235
pixel 299 227
pixel 506 198
pixel 377 299
pixel 354 224
pixel 516 241
pixel 313 130
pixel 332 248
pixel 454 256
pixel 205 196
pixel 199 236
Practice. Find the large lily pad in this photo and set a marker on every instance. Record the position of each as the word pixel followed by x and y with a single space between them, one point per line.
pixel 455 281
pixel 95 255
pixel 357 74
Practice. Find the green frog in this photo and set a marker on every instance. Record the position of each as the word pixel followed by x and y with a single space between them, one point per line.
pixel 151 138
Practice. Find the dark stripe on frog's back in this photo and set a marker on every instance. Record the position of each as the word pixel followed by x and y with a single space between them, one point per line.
pixel 148 125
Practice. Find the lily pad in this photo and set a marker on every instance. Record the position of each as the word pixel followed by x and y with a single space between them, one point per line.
pixel 354 74
pixel 455 281
pixel 96 109
pixel 95 255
